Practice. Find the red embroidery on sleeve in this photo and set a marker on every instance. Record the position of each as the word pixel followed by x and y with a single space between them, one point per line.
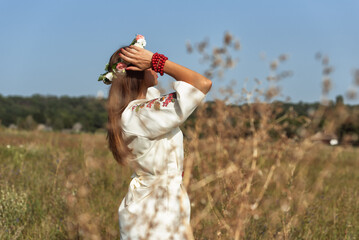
pixel 166 99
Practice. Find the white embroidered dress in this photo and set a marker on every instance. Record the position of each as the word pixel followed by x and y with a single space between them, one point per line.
pixel 156 205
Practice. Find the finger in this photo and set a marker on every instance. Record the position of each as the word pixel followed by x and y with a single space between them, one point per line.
pixel 127 50
pixel 135 48
pixel 127 59
pixel 127 53
pixel 133 68
pixel 131 50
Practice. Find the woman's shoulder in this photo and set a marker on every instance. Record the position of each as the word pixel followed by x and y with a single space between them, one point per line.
pixel 157 116
pixel 155 103
pixel 142 117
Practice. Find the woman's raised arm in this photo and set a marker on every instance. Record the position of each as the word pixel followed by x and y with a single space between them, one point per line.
pixel 141 58
pixel 181 73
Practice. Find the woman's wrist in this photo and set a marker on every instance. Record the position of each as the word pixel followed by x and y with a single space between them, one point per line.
pixel 158 62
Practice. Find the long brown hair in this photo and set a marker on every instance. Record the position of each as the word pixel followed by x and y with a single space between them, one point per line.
pixel 124 88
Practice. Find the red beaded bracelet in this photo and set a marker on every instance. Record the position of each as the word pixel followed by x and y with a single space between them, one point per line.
pixel 158 62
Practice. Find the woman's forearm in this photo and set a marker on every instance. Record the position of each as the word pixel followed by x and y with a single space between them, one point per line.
pixel 181 73
pixel 142 59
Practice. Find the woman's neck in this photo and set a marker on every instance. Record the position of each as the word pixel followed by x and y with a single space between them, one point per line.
pixel 143 92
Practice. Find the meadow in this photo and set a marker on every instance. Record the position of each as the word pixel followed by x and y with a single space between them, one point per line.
pixel 68 186
pixel 251 172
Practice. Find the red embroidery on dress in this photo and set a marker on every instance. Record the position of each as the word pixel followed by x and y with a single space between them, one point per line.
pixel 170 98
pixel 150 103
pixel 156 102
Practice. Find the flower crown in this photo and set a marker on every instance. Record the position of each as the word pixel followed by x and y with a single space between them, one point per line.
pixel 120 67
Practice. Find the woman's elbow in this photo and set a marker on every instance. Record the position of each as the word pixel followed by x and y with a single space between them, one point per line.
pixel 207 85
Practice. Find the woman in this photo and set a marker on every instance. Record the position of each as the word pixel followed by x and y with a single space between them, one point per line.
pixel 144 133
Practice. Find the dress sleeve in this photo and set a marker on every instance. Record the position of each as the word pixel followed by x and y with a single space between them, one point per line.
pixel 159 116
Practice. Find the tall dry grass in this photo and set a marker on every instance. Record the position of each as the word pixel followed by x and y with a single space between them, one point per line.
pixel 245 177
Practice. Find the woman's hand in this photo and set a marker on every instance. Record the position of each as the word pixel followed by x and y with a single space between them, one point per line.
pixel 139 57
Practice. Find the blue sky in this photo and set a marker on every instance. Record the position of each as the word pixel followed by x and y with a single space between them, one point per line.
pixel 60 47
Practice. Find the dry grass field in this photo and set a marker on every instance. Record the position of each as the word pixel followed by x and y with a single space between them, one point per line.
pixel 246 178
pixel 68 186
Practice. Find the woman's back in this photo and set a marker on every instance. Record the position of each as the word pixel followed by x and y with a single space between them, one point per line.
pixel 156 199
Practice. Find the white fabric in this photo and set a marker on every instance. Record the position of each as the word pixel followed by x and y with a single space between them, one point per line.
pixel 156 205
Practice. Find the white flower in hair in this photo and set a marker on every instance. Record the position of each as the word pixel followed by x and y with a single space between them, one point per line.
pixel 109 76
pixel 140 43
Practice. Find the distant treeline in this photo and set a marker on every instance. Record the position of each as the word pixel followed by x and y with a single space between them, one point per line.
pixel 57 112
pixel 65 112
